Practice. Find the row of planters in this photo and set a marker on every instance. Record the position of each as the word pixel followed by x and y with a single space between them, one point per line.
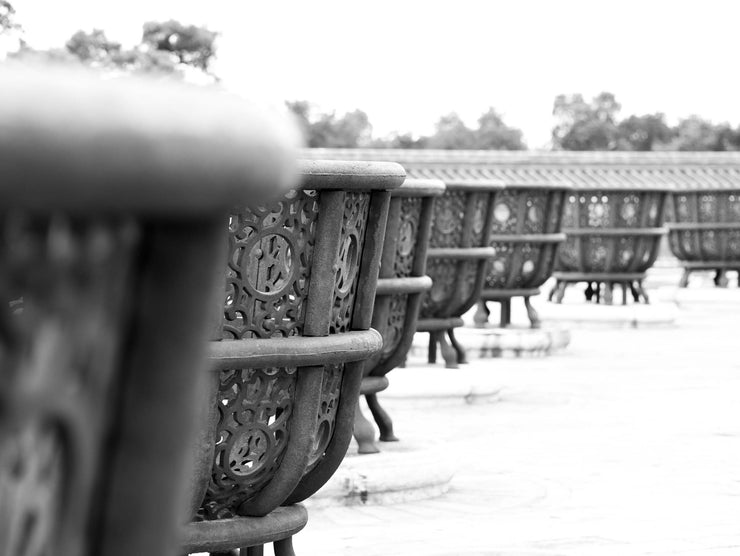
pixel 113 242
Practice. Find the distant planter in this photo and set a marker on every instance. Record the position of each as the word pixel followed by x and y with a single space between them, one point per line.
pixel 705 232
pixel 456 261
pixel 401 285
pixel 525 234
pixel 613 235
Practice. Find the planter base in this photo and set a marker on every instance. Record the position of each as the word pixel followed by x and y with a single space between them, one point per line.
pixel 719 268
pixel 401 472
pixel 601 286
pixel 493 341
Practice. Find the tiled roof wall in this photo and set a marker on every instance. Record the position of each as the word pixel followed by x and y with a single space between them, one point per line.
pixel 613 170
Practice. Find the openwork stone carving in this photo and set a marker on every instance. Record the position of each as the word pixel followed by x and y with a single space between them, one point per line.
pixel 62 289
pixel 402 283
pixel 300 282
pixel 704 233
pixel 458 252
pixel 613 237
pixel 525 234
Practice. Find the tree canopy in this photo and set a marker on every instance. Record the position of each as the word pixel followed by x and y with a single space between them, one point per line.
pixel 167 48
pixel 590 126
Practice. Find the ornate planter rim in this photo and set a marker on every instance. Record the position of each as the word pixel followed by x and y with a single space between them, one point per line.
pixel 350 175
pixel 615 231
pixel 544 184
pixel 678 226
pixel 624 188
pixel 414 187
pixel 475 185
pixel 134 145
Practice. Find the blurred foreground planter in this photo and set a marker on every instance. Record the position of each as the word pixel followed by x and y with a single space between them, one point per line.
pixel 113 196
pixel 401 286
pixel 705 232
pixel 456 261
pixel 613 236
pixel 301 283
pixel 525 234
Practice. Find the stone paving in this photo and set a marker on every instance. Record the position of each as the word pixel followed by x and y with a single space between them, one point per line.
pixel 628 442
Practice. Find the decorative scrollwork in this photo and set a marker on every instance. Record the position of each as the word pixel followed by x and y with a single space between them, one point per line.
pixel 356 208
pixel 443 273
pixel 255 407
pixel 395 324
pixel 331 387
pixel 269 267
pixel 403 262
pixel 449 214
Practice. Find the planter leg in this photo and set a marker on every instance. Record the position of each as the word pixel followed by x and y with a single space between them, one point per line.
pixel 448 352
pixel 684 282
pixel 505 313
pixel 721 278
pixel 635 292
pixel 432 352
pixel 589 291
pixel 457 346
pixel 624 293
pixel 643 293
pixel 559 291
pixel 228 553
pixel 382 419
pixel 284 547
pixel 364 433
pixel 481 314
pixel 608 297
pixel 534 318
pixel 254 550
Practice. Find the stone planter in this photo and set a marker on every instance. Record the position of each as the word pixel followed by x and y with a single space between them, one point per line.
pixel 401 286
pixel 456 261
pixel 613 235
pixel 705 231
pixel 525 234
pixel 111 225
pixel 301 282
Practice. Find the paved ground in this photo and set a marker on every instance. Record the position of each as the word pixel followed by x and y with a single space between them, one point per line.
pixel 627 443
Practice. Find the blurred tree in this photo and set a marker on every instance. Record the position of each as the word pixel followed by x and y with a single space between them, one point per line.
pixel 451 133
pixel 493 133
pixel 583 126
pixel 190 44
pixel 644 133
pixel 93 47
pixel 166 49
pixel 401 141
pixel 7 18
pixel 697 134
pixel 353 129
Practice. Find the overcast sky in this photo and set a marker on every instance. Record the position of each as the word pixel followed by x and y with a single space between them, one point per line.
pixel 406 62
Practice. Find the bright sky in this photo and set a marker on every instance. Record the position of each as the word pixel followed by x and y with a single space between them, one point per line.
pixel 406 62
